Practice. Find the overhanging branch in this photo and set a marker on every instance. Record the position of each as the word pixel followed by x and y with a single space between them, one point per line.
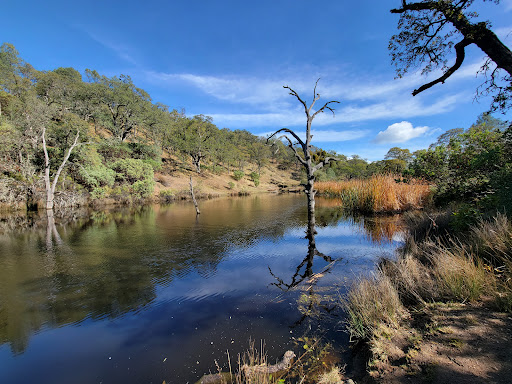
pixel 461 54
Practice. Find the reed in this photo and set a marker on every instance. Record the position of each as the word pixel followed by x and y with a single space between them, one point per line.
pixel 377 194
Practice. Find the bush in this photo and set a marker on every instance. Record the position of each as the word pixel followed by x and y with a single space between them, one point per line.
pixel 167 195
pixel 143 189
pixel 98 193
pixel 231 185
pixel 132 170
pixel 96 176
pixel 255 177
pixel 145 151
pixel 238 175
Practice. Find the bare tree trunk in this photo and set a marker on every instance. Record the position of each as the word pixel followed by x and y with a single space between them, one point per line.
pixel 49 185
pixel 305 158
pixel 193 197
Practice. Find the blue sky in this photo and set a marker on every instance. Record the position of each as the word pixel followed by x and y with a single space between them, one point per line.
pixel 230 58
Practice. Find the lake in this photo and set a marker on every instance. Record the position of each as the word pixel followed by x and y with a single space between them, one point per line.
pixel 155 293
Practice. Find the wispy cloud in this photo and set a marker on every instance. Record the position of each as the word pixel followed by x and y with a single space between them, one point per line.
pixel 400 133
pixel 121 50
pixel 363 98
pixel 405 108
pixel 329 136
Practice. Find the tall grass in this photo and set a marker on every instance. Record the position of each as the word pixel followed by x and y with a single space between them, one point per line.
pixel 379 193
pixel 461 269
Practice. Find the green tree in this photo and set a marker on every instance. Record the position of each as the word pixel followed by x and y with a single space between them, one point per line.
pixel 398 154
pixel 122 103
pixel 259 153
pixel 429 32
pixel 196 137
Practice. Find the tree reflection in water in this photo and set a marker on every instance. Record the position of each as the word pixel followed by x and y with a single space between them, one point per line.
pixel 379 230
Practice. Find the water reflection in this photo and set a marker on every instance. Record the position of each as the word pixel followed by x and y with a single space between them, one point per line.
pixel 155 279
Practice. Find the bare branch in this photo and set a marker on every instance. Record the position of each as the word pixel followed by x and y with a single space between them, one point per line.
pixel 287 130
pixel 461 54
pixel 324 162
pixel 293 93
pixel 290 144
pixel 314 90
pixel 326 106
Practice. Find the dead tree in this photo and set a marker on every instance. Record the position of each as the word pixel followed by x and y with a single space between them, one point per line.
pixel 305 158
pixel 194 197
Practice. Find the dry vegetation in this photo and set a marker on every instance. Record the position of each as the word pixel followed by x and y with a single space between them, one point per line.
pixel 431 269
pixel 379 193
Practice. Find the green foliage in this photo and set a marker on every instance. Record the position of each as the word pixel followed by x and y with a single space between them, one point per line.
pixel 471 167
pixel 142 189
pixel 144 151
pixel 231 185
pixel 99 176
pixel 167 195
pixel 238 175
pixel 132 170
pixel 98 193
pixel 255 177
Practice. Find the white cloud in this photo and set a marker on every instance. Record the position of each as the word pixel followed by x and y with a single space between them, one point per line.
pixel 399 133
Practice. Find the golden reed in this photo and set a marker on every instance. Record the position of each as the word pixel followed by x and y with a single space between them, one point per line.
pixel 379 193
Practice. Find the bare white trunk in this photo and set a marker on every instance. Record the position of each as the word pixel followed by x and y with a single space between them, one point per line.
pixel 49 185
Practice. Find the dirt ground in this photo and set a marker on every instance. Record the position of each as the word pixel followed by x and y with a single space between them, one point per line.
pixel 206 183
pixel 448 343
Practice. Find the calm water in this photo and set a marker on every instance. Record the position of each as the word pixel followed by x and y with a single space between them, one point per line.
pixel 158 294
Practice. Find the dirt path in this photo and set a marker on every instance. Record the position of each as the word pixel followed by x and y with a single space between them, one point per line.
pixel 448 343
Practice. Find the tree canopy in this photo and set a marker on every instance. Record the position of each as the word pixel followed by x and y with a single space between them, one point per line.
pixel 430 31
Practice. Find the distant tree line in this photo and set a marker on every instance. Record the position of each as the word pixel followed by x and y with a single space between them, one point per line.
pixel 115 133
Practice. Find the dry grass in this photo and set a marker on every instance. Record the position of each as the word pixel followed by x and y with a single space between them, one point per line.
pixel 371 302
pixel 437 269
pixel 334 376
pixel 379 193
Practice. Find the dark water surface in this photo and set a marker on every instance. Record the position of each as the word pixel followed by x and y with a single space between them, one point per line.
pixel 158 294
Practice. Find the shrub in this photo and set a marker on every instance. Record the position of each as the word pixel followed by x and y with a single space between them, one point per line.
pixel 255 177
pixel 98 193
pixel 238 175
pixel 97 176
pixel 132 170
pixel 145 152
pixel 167 195
pixel 143 189
pixel 231 185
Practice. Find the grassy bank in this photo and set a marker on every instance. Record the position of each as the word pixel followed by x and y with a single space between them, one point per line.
pixel 379 193
pixel 433 270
